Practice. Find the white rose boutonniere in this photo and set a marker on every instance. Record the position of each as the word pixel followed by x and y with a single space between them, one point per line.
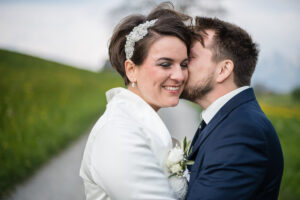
pixel 177 162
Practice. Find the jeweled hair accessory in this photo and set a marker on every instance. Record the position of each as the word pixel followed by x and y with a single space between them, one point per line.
pixel 138 33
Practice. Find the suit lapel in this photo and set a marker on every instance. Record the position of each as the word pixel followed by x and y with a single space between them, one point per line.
pixel 241 98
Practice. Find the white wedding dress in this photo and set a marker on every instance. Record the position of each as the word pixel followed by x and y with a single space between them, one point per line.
pixel 124 157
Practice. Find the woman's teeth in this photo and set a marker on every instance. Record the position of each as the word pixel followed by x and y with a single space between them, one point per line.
pixel 172 88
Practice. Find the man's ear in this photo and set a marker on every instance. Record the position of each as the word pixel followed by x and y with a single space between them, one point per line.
pixel 225 69
pixel 130 70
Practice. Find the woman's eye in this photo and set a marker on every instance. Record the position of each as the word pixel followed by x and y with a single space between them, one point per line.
pixel 184 65
pixel 165 64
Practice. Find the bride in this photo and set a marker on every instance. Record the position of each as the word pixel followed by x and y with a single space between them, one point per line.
pixel 125 154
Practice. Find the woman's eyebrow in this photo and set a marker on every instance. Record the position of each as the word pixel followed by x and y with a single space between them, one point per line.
pixel 165 58
pixel 186 59
pixel 171 60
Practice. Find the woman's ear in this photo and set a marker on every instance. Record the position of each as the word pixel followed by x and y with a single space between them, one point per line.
pixel 131 70
pixel 225 70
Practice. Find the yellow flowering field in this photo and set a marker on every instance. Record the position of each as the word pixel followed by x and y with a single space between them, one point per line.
pixel 281 111
pixel 284 113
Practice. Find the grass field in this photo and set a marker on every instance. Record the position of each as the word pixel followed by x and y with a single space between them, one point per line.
pixel 43 107
pixel 284 112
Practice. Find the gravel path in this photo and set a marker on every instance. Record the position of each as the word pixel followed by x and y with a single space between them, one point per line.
pixel 59 178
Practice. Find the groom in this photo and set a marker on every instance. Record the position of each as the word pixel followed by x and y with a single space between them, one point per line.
pixel 236 150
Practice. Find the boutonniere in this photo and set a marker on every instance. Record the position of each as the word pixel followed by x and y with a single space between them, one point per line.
pixel 177 160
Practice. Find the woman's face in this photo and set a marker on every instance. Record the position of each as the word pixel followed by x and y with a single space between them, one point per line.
pixel 162 76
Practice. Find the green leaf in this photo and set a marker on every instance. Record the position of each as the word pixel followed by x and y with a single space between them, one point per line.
pixel 190 162
pixel 174 174
pixel 187 146
pixel 183 144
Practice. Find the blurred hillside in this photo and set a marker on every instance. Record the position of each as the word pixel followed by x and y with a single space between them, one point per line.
pixel 43 107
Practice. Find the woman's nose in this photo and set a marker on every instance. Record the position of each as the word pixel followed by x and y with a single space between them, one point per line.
pixel 178 74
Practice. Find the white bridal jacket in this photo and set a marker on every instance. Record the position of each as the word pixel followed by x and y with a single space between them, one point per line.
pixel 125 154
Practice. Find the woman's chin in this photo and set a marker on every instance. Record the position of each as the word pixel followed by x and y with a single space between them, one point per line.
pixel 172 103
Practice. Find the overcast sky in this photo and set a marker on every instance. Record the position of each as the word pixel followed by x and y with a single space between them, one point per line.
pixel 76 32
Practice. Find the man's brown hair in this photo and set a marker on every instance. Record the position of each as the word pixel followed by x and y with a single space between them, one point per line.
pixel 230 42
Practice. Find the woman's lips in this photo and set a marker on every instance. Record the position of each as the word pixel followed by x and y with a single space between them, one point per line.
pixel 173 89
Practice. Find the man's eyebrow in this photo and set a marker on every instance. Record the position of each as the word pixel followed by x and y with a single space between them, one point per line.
pixel 194 52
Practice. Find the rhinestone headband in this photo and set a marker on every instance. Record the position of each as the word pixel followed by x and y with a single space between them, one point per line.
pixel 138 33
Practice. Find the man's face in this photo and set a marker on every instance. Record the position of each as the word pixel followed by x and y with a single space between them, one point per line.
pixel 202 70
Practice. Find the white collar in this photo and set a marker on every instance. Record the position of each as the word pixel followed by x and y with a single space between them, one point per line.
pixel 212 110
pixel 135 101
pixel 120 93
pixel 138 109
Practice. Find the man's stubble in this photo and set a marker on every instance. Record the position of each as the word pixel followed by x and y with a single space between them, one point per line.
pixel 199 90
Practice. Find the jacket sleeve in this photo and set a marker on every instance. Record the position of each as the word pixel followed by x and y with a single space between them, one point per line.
pixel 234 164
pixel 123 164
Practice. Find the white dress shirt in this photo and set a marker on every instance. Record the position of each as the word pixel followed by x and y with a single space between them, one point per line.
pixel 124 157
pixel 212 110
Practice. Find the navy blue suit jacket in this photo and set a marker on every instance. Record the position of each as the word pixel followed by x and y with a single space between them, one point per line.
pixel 237 155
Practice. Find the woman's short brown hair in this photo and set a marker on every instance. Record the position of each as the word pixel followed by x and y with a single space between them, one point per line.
pixel 169 23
